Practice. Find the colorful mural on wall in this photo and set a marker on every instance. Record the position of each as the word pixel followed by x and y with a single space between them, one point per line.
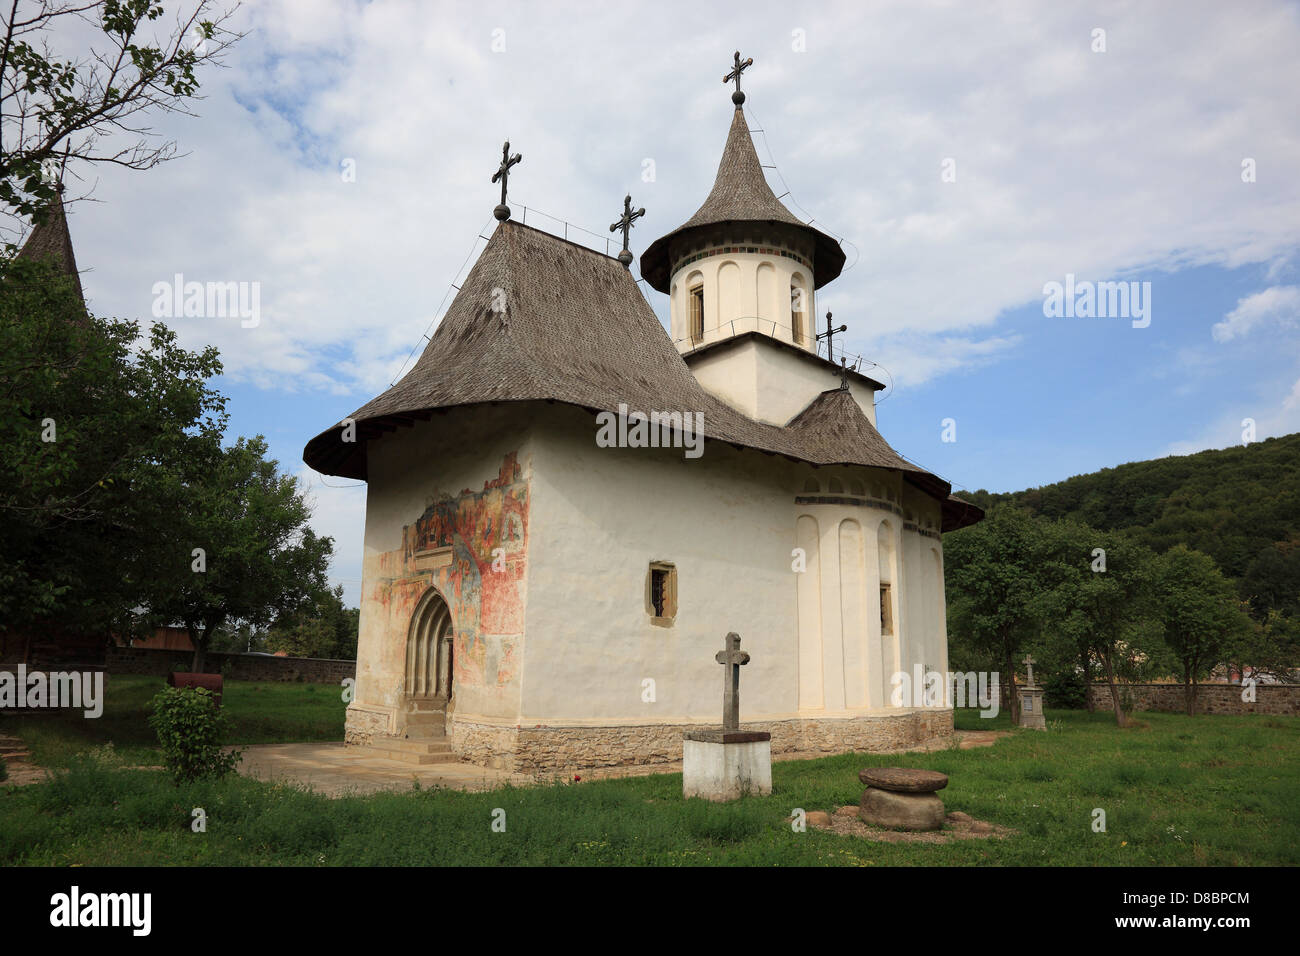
pixel 486 533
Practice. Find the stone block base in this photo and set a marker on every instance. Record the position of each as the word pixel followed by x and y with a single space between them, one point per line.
pixel 720 771
pixel 535 750
pixel 901 811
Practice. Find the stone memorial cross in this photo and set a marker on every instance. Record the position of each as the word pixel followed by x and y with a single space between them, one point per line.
pixel 732 657
pixel 1029 663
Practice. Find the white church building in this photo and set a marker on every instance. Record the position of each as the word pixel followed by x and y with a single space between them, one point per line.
pixel 537 597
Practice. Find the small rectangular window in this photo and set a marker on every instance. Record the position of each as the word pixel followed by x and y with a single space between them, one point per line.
pixel 697 313
pixel 662 597
pixel 886 611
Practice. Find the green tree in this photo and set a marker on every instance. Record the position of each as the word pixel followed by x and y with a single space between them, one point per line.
pixel 239 548
pixel 993 571
pixel 1098 595
pixel 325 629
pixel 93 107
pixel 91 418
pixel 1198 614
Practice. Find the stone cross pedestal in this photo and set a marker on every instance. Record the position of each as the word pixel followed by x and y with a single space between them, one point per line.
pixel 722 764
pixel 1031 699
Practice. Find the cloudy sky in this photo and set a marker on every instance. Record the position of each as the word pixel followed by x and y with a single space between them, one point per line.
pixel 968 154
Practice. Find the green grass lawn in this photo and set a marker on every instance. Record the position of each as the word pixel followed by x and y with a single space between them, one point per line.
pixel 1178 791
pixel 260 713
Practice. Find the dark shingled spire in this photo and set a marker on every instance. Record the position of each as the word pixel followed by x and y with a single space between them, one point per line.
pixel 51 239
pixel 741 195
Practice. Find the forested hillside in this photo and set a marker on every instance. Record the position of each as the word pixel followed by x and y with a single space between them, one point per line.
pixel 1241 506
pixel 1181 567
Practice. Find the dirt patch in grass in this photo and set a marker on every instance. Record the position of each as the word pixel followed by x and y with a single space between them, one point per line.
pixel 20 769
pixel 957 826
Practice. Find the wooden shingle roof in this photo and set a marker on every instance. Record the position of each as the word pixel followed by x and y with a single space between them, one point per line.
pixel 538 319
pixel 742 199
pixel 50 239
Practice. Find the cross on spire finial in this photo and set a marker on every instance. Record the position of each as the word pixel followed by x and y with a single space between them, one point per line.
pixel 829 336
pixel 625 223
pixel 733 657
pixel 502 212
pixel 740 66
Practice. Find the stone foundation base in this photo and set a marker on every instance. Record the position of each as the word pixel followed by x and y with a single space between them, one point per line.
pixel 534 750
pixel 361 726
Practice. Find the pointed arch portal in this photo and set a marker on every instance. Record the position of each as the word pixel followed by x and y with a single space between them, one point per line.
pixel 429 650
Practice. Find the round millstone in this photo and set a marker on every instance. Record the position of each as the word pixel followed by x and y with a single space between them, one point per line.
pixel 901 811
pixel 903 780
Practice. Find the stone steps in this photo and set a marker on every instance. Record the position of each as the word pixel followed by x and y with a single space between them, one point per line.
pixel 420 752
pixel 435 723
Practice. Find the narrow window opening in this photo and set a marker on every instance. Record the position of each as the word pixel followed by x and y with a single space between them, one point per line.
pixel 662 596
pixel 697 313
pixel 886 611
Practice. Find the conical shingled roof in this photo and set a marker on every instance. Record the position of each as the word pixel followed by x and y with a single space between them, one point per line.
pixel 51 239
pixel 835 420
pixel 576 329
pixel 740 194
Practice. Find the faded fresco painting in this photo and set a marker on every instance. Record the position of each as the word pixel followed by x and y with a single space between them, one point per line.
pixel 473 548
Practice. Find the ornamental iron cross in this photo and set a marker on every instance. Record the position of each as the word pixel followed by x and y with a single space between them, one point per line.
pixel 629 216
pixel 829 336
pixel 732 657
pixel 1029 662
pixel 739 68
pixel 502 211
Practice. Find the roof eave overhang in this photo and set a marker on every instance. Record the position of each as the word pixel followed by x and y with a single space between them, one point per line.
pixel 736 340
pixel 657 260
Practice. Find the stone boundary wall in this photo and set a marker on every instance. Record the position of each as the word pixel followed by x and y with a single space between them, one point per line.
pixel 1210 698
pixel 533 750
pixel 148 660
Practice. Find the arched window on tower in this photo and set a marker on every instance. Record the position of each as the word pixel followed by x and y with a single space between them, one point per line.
pixel 695 300
pixel 798 310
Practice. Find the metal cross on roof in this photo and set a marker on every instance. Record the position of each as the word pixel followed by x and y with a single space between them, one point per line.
pixel 625 223
pixel 502 212
pixel 844 374
pixel 732 657
pixel 739 68
pixel 829 336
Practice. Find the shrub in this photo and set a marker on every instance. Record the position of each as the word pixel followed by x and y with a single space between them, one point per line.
pixel 190 727
pixel 4 771
pixel 1066 688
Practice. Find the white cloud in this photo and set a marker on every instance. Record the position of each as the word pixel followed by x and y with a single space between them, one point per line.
pixel 1292 401
pixel 1277 302
pixel 1060 166
pixel 339 511
pixel 1067 161
pixel 1279 417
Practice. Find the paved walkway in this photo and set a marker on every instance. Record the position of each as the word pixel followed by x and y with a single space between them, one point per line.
pixel 335 771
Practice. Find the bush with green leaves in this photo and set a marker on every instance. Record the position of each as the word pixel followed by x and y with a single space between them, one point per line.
pixel 190 727
pixel 1066 688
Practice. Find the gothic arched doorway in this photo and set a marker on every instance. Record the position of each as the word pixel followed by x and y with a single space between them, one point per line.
pixel 429 654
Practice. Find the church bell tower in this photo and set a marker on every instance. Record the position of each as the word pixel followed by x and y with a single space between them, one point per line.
pixel 741 275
